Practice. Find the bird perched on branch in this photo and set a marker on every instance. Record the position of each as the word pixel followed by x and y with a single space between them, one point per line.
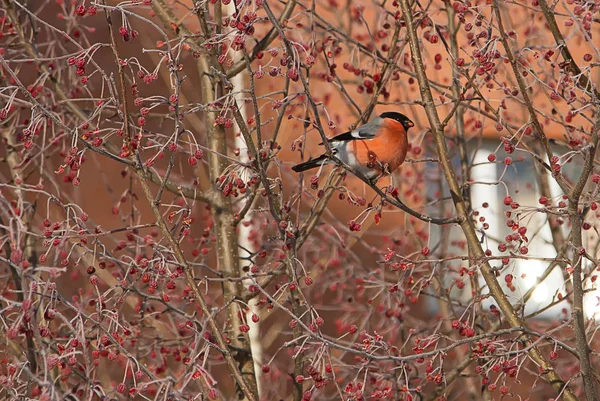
pixel 372 150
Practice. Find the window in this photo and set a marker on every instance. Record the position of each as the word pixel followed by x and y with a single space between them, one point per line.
pixel 493 181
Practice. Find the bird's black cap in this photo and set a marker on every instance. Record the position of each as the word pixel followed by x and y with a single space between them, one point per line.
pixel 401 118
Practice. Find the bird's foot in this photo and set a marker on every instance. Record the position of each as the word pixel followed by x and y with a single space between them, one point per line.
pixel 373 180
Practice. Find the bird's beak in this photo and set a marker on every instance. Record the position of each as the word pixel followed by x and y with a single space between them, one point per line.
pixel 410 124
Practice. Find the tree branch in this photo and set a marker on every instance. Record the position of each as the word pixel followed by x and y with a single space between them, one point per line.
pixel 466 224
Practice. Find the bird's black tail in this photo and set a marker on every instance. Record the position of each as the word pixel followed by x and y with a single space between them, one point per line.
pixel 312 163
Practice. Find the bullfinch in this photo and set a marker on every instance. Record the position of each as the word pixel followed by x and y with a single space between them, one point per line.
pixel 372 150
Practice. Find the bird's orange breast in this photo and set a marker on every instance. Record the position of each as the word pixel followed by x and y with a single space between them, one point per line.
pixel 388 147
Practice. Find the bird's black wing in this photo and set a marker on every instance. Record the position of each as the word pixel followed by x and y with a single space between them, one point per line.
pixel 360 133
